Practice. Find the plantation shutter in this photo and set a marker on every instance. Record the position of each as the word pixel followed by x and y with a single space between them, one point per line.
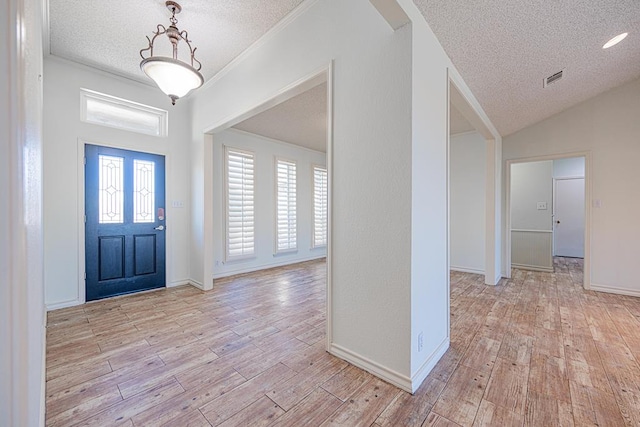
pixel 319 206
pixel 286 206
pixel 240 207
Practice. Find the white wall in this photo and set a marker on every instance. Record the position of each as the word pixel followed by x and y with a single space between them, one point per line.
pixel 371 201
pixel 265 150
pixel 429 197
pixel 388 174
pixel 531 183
pixel 571 167
pixel 22 332
pixel 64 134
pixel 467 202
pixel 607 127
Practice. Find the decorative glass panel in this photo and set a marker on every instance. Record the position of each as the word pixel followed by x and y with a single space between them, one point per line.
pixel 110 182
pixel 144 199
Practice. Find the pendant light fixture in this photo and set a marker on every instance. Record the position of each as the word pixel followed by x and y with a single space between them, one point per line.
pixel 174 77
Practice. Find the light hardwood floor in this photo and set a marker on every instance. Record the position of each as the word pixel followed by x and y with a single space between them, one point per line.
pixel 536 350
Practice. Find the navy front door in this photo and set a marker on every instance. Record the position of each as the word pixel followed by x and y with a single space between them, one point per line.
pixel 124 221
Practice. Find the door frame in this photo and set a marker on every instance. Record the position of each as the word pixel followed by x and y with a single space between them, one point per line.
pixel 553 207
pixel 82 290
pixel 471 110
pixel 587 211
pixel 299 86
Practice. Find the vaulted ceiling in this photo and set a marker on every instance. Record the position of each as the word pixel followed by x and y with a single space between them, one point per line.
pixel 503 50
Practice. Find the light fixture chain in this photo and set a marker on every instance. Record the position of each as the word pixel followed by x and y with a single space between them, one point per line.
pixel 173 18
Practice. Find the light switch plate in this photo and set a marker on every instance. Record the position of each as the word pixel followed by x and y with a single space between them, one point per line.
pixel 542 206
pixel 177 204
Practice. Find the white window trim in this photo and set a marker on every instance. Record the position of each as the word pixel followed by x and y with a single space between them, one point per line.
pixel 163 115
pixel 313 206
pixel 225 193
pixel 277 251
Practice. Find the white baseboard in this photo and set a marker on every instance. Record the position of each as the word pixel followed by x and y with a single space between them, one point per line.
pixel 196 284
pixel 386 374
pixel 614 290
pixel 177 283
pixel 251 269
pixel 532 267
pixel 43 377
pixel 466 270
pixel 72 303
pixel 428 365
pixel 62 304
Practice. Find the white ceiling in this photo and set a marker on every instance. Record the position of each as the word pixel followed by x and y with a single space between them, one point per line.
pixel 110 35
pixel 504 50
pixel 301 120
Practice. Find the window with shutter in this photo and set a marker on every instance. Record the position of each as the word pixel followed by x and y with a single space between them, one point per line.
pixel 240 204
pixel 286 221
pixel 319 206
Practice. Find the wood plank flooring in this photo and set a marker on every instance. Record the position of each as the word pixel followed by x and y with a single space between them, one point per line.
pixel 536 350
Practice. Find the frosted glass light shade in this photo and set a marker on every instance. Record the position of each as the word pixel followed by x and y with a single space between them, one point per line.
pixel 173 77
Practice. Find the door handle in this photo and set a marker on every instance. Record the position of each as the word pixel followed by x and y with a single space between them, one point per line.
pixel 159 228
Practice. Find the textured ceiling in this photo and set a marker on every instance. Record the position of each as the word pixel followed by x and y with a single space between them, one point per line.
pixel 109 36
pixel 504 50
pixel 301 120
pixel 457 122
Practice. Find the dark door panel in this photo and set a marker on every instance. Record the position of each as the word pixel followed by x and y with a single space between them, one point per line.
pixel 110 257
pixel 144 253
pixel 125 223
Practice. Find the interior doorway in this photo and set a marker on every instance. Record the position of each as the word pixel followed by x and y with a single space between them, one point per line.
pixel 548 214
pixel 285 145
pixel 467 205
pixel 474 164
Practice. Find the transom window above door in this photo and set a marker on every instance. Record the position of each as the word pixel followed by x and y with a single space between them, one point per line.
pixel 106 110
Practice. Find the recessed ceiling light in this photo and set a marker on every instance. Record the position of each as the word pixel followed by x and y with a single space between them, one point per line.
pixel 614 41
